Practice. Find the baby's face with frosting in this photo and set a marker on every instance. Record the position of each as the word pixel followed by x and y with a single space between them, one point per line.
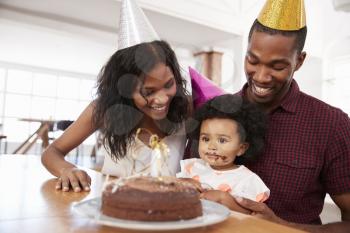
pixel 220 143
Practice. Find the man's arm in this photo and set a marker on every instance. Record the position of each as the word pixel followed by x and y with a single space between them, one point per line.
pixel 343 202
pixel 261 210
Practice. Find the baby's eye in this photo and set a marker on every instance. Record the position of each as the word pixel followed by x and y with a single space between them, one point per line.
pixel 204 139
pixel 222 140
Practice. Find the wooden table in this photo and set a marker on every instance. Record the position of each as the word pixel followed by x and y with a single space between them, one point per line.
pixel 29 203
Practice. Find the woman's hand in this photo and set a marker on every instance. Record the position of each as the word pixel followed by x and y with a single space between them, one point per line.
pixel 73 177
pixel 224 198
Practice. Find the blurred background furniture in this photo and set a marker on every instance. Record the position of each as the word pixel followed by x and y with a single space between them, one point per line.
pixel 3 139
pixel 97 146
pixel 42 133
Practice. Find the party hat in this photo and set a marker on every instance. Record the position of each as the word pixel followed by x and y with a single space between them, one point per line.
pixel 134 27
pixel 203 89
pixel 287 15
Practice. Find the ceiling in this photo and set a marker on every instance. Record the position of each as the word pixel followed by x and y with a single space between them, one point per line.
pixel 103 16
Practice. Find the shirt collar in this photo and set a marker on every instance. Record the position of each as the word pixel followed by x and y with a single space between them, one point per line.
pixel 289 103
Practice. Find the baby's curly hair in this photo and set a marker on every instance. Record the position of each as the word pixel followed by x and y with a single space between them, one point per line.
pixel 252 123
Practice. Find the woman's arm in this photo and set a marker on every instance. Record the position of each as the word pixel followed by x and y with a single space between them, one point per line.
pixel 53 157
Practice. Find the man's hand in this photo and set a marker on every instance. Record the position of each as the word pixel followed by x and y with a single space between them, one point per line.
pixel 260 210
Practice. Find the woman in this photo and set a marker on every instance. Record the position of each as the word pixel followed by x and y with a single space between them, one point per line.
pixel 139 87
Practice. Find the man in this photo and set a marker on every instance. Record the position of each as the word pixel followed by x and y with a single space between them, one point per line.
pixel 307 152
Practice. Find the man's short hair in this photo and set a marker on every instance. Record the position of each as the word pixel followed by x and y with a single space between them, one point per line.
pixel 300 35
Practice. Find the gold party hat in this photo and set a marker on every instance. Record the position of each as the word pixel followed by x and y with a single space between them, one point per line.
pixel 134 27
pixel 287 15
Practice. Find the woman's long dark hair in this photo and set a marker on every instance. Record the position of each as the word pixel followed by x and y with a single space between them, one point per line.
pixel 115 111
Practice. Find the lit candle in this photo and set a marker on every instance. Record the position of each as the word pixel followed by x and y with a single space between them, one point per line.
pixel 160 153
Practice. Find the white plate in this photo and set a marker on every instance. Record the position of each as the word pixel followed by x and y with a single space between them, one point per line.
pixel 212 213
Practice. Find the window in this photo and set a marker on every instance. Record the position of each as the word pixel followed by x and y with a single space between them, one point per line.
pixel 45 85
pixel 2 79
pixel 38 93
pixel 68 87
pixel 17 106
pixel 19 81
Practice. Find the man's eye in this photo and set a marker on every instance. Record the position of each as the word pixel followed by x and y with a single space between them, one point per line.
pixel 279 68
pixel 252 61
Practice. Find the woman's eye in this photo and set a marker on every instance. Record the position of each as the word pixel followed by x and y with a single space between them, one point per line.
pixel 169 84
pixel 147 92
pixel 204 139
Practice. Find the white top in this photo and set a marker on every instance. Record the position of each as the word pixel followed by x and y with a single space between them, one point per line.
pixel 139 156
pixel 238 182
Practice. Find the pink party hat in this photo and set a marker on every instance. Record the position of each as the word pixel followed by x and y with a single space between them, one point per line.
pixel 203 89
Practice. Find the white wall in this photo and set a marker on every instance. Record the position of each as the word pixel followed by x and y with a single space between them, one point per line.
pixel 32 45
pixel 186 59
pixel 232 66
pixel 309 76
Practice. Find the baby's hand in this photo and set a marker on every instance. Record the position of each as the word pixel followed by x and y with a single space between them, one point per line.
pixel 214 195
pixel 196 184
pixel 224 198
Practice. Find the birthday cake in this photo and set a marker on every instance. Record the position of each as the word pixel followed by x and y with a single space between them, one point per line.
pixel 148 198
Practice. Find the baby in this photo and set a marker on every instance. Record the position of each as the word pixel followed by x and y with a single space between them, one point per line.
pixel 229 131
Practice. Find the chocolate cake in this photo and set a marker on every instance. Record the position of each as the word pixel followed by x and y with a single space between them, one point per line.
pixel 151 199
